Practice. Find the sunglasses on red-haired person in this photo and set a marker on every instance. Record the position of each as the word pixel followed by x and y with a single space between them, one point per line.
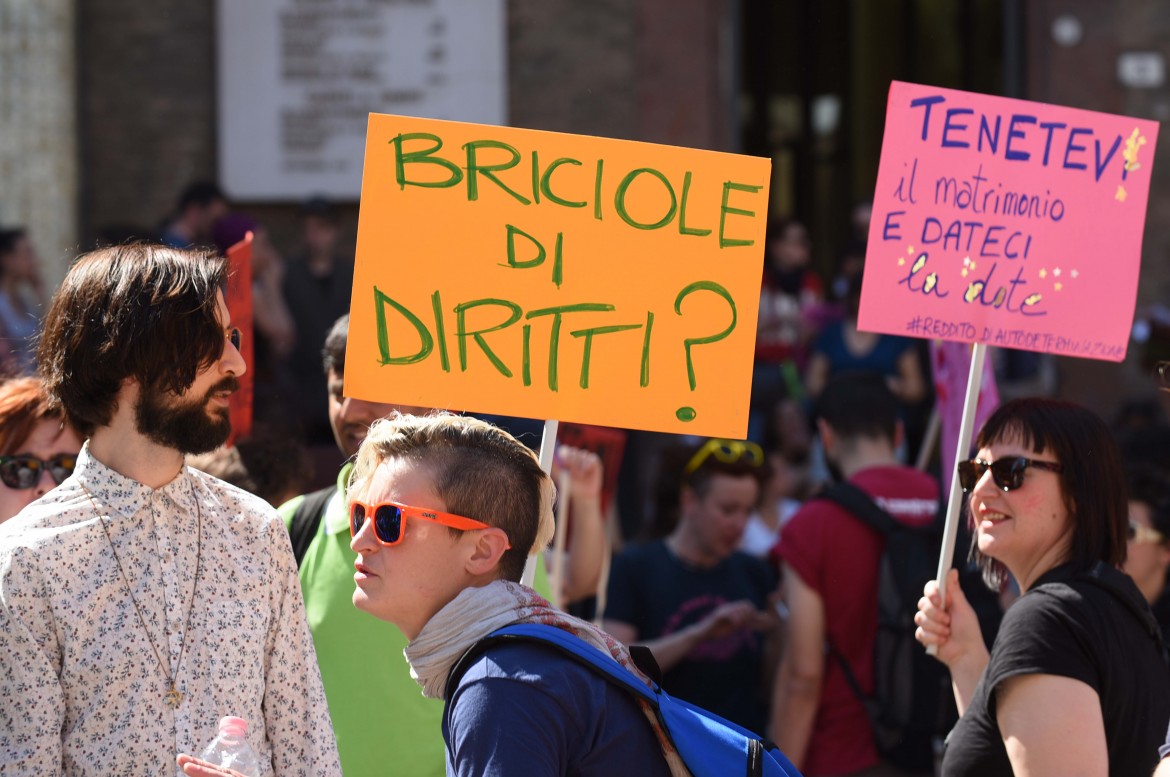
pixel 23 471
pixel 390 520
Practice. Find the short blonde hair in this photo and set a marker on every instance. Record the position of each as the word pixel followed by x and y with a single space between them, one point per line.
pixel 479 471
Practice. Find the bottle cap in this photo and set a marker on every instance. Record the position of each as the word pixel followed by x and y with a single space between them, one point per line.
pixel 232 726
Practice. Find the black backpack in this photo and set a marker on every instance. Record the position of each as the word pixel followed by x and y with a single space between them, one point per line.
pixel 912 704
pixel 307 517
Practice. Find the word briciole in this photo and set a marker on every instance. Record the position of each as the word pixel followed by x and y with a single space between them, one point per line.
pixel 528 186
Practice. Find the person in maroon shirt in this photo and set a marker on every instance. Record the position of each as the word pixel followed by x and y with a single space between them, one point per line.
pixel 791 294
pixel 829 562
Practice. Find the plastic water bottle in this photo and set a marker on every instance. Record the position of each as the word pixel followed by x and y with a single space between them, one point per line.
pixel 230 748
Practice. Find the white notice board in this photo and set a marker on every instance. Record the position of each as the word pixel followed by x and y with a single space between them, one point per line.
pixel 297 79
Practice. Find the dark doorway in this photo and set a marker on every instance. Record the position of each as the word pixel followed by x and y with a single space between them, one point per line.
pixel 815 76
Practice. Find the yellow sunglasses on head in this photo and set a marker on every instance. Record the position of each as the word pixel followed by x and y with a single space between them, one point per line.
pixel 726 451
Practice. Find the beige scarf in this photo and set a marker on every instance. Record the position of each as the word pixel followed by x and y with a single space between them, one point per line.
pixel 476 612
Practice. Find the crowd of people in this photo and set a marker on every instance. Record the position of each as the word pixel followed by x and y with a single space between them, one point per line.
pixel 299 288
pixel 153 580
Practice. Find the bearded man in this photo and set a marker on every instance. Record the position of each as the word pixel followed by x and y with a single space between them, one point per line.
pixel 141 600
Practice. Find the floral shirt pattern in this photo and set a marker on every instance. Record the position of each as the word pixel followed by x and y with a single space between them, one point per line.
pixel 81 689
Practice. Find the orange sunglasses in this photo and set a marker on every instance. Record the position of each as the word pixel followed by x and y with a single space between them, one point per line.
pixel 390 520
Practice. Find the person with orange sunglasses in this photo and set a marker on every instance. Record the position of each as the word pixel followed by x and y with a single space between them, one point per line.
pixel 444 511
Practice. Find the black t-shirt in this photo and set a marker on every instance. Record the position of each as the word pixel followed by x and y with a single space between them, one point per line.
pixel 656 593
pixel 1072 628
pixel 1161 610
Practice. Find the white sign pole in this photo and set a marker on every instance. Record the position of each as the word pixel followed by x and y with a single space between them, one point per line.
pixel 556 576
pixel 548 447
pixel 955 506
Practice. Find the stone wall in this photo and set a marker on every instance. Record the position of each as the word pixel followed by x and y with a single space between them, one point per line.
pixel 38 127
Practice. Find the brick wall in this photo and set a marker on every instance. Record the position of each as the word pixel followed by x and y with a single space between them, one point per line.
pixel 38 160
pixel 1084 75
pixel 657 70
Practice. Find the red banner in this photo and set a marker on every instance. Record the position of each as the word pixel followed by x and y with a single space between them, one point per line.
pixel 239 304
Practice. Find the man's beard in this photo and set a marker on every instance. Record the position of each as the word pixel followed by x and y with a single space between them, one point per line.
pixel 184 425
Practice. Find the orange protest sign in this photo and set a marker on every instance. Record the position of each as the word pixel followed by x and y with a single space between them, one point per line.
pixel 546 275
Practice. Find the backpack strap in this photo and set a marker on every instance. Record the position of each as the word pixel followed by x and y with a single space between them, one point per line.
pixel 568 644
pixel 303 527
pixel 860 505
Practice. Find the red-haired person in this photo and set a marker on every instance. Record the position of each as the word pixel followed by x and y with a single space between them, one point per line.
pixel 38 448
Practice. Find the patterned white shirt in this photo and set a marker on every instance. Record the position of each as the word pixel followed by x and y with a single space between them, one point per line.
pixel 81 689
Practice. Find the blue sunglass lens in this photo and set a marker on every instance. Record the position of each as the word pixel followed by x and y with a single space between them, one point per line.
pixel 388 523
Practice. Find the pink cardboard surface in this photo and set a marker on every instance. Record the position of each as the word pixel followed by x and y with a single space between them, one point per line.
pixel 1007 222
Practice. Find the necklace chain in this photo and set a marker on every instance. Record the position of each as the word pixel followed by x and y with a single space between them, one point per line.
pixel 173 696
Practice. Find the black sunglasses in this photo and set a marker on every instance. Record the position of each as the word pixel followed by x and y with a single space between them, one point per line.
pixel 23 471
pixel 235 337
pixel 1008 472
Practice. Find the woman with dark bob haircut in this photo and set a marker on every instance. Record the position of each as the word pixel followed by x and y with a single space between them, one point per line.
pixel 1076 682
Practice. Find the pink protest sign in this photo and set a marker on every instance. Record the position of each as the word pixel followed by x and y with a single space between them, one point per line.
pixel 1007 222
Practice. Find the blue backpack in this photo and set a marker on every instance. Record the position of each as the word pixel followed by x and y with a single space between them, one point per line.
pixel 709 745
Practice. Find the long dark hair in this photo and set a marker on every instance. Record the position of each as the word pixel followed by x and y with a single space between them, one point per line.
pixel 139 311
pixel 1092 479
